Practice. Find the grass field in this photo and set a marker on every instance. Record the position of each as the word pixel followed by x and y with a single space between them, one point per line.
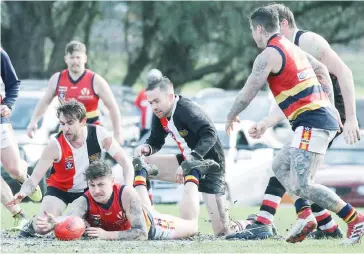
pixel 203 243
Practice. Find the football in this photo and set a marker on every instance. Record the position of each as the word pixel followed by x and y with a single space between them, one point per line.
pixel 72 228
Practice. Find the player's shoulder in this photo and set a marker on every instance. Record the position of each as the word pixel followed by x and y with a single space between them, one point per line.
pixel 185 105
pixel 53 147
pixel 270 55
pixel 312 38
pixel 54 78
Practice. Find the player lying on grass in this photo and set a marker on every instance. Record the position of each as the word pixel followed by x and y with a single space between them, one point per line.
pixel 115 211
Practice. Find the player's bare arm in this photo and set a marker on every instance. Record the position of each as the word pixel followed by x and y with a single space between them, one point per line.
pixel 49 155
pixel 133 209
pixel 319 48
pixel 103 90
pixel 43 104
pixel 268 61
pixel 77 208
pixel 323 77
pixel 115 150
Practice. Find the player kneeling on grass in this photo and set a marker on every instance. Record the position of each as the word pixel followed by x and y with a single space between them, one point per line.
pixel 115 211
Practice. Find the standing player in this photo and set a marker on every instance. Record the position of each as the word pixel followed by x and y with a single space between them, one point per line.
pixel 291 75
pixel 69 154
pixel 198 143
pixel 117 212
pixel 146 113
pixel 10 157
pixel 81 84
pixel 342 80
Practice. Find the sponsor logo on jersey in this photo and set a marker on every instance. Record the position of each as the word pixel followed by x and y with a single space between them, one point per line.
pixel 94 157
pixel 85 94
pixel 95 219
pixel 183 133
pixel 69 164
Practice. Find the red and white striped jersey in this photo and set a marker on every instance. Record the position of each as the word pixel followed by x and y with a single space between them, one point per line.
pixel 67 173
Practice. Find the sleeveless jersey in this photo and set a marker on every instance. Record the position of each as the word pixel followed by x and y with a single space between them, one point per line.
pixel 339 101
pixel 67 174
pixel 111 216
pixel 297 91
pixel 82 90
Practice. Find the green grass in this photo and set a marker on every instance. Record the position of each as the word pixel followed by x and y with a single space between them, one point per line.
pixel 284 219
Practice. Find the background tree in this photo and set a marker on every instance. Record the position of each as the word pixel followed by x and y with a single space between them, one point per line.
pixel 187 41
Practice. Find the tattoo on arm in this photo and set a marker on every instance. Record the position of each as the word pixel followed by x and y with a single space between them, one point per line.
pixel 135 216
pixel 323 77
pixel 78 208
pixel 255 82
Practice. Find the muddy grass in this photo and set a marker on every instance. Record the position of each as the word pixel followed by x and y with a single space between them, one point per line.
pixel 10 243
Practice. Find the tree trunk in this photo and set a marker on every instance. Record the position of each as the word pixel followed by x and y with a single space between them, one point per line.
pixel 149 28
pixel 66 34
pixel 25 26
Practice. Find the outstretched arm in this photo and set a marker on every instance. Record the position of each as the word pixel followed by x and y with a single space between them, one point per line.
pixel 269 60
pixel 49 155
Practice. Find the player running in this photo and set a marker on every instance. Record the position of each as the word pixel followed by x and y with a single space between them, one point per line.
pixel 342 80
pixel 292 77
pixel 81 84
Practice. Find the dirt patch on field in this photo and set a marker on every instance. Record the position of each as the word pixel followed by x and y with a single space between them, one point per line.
pixel 11 243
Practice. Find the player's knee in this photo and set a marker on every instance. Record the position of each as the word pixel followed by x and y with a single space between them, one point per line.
pixel 16 172
pixel 300 189
pixel 16 169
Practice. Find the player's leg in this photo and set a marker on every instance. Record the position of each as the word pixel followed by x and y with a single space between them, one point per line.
pixel 171 227
pixel 213 186
pixel 303 168
pixel 54 202
pixel 327 227
pixel 166 164
pixel 10 158
pixel 168 227
pixel 161 167
pixel 18 215
pixel 142 170
pixel 263 228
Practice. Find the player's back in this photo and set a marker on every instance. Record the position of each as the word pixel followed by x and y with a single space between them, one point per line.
pixel 297 90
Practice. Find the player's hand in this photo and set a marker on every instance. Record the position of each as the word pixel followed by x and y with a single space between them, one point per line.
pixel 351 131
pixel 96 233
pixel 32 127
pixel 229 126
pixel 142 150
pixel 179 176
pixel 257 130
pixel 18 197
pixel 5 111
pixel 47 222
pixel 119 138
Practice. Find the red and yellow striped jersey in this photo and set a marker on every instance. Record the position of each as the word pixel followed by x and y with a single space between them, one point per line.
pixel 297 91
